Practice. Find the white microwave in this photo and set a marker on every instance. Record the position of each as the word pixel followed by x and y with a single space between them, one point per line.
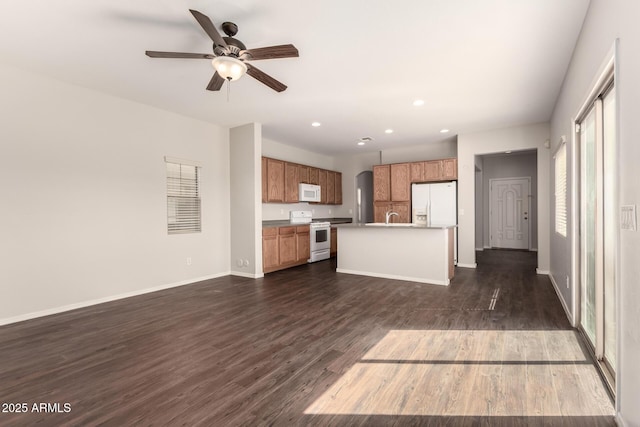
pixel 309 193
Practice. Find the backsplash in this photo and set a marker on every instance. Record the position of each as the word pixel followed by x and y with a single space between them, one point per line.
pixel 272 211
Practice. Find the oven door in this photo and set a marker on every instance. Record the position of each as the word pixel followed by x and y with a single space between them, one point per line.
pixel 320 239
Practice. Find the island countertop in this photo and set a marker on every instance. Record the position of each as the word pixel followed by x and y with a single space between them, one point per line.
pixel 409 225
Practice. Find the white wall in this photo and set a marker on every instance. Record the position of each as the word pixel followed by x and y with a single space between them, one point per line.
pixel 514 165
pixel 246 199
pixel 84 197
pixel 606 21
pixel 496 141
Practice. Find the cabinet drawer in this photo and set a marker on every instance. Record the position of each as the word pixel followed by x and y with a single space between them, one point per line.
pixel 286 230
pixel 302 229
pixel 270 231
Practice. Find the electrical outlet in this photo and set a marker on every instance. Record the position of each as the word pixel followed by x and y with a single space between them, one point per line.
pixel 188 260
pixel 567 282
pixel 350 211
pixel 246 263
pixel 329 211
pixel 239 262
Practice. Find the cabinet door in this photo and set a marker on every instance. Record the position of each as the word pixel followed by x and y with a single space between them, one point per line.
pixel 331 188
pixel 338 188
pixel 270 258
pixel 322 182
pixel 275 180
pixel 402 209
pixel 287 245
pixel 334 242
pixel 449 169
pixel 381 183
pixel 433 170
pixel 291 183
pixel 303 174
pixel 314 176
pixel 379 211
pixel 265 185
pixel 417 171
pixel 400 182
pixel 303 244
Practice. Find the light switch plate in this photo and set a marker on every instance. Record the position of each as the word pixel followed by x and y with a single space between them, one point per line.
pixel 628 217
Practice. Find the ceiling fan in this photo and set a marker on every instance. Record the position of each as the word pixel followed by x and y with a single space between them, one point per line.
pixel 230 56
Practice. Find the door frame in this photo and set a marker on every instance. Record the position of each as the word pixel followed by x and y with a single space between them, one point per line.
pixel 491 180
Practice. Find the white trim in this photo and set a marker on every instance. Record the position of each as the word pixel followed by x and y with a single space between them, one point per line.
pixel 247 275
pixel 474 265
pixel 619 420
pixel 534 249
pixel 394 277
pixel 487 247
pixel 543 272
pixel 83 304
pixel 180 161
pixel 564 304
pixel 480 249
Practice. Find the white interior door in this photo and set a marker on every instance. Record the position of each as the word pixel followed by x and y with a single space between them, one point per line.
pixel 509 213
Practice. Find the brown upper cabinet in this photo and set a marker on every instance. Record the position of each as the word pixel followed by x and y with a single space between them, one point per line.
pixel 417 171
pixel 432 170
pixel 400 182
pixel 449 169
pixel 381 183
pixel 331 187
pixel 275 180
pixel 280 181
pixel 291 181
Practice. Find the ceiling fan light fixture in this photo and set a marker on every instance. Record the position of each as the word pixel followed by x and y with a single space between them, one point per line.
pixel 229 68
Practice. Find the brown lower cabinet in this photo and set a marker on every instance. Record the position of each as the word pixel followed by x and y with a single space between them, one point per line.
pixel 284 247
pixel 333 251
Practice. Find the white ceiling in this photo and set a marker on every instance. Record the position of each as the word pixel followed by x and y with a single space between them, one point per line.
pixel 477 64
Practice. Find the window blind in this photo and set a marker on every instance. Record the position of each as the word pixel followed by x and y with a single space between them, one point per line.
pixel 561 190
pixel 183 198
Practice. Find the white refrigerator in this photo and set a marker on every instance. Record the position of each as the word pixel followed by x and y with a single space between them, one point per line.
pixel 436 204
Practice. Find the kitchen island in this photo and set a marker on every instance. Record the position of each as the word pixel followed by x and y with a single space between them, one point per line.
pixel 397 251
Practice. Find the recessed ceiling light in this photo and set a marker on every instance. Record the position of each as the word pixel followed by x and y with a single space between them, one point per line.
pixel 315 124
pixel 444 130
pixel 360 142
pixel 388 131
pixel 418 103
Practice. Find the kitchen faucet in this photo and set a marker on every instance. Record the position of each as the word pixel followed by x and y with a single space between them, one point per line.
pixel 388 215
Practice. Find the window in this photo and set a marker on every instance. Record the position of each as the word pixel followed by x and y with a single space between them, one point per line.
pixel 183 196
pixel 561 189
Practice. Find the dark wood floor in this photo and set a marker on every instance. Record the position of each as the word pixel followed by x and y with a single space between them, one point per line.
pixel 308 346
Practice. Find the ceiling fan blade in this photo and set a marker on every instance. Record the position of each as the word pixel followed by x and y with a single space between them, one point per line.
pixel 156 54
pixel 216 82
pixel 265 78
pixel 209 28
pixel 271 52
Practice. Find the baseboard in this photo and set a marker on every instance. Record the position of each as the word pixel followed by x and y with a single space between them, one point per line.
pixel 474 265
pixel 534 249
pixel 247 275
pixel 479 249
pixel 559 294
pixel 57 310
pixel 487 247
pixel 394 277
pixel 538 271
pixel 619 420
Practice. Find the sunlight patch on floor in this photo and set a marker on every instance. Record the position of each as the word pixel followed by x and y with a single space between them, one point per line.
pixel 470 373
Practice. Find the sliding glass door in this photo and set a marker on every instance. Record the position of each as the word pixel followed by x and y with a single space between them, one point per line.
pixel 597 142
